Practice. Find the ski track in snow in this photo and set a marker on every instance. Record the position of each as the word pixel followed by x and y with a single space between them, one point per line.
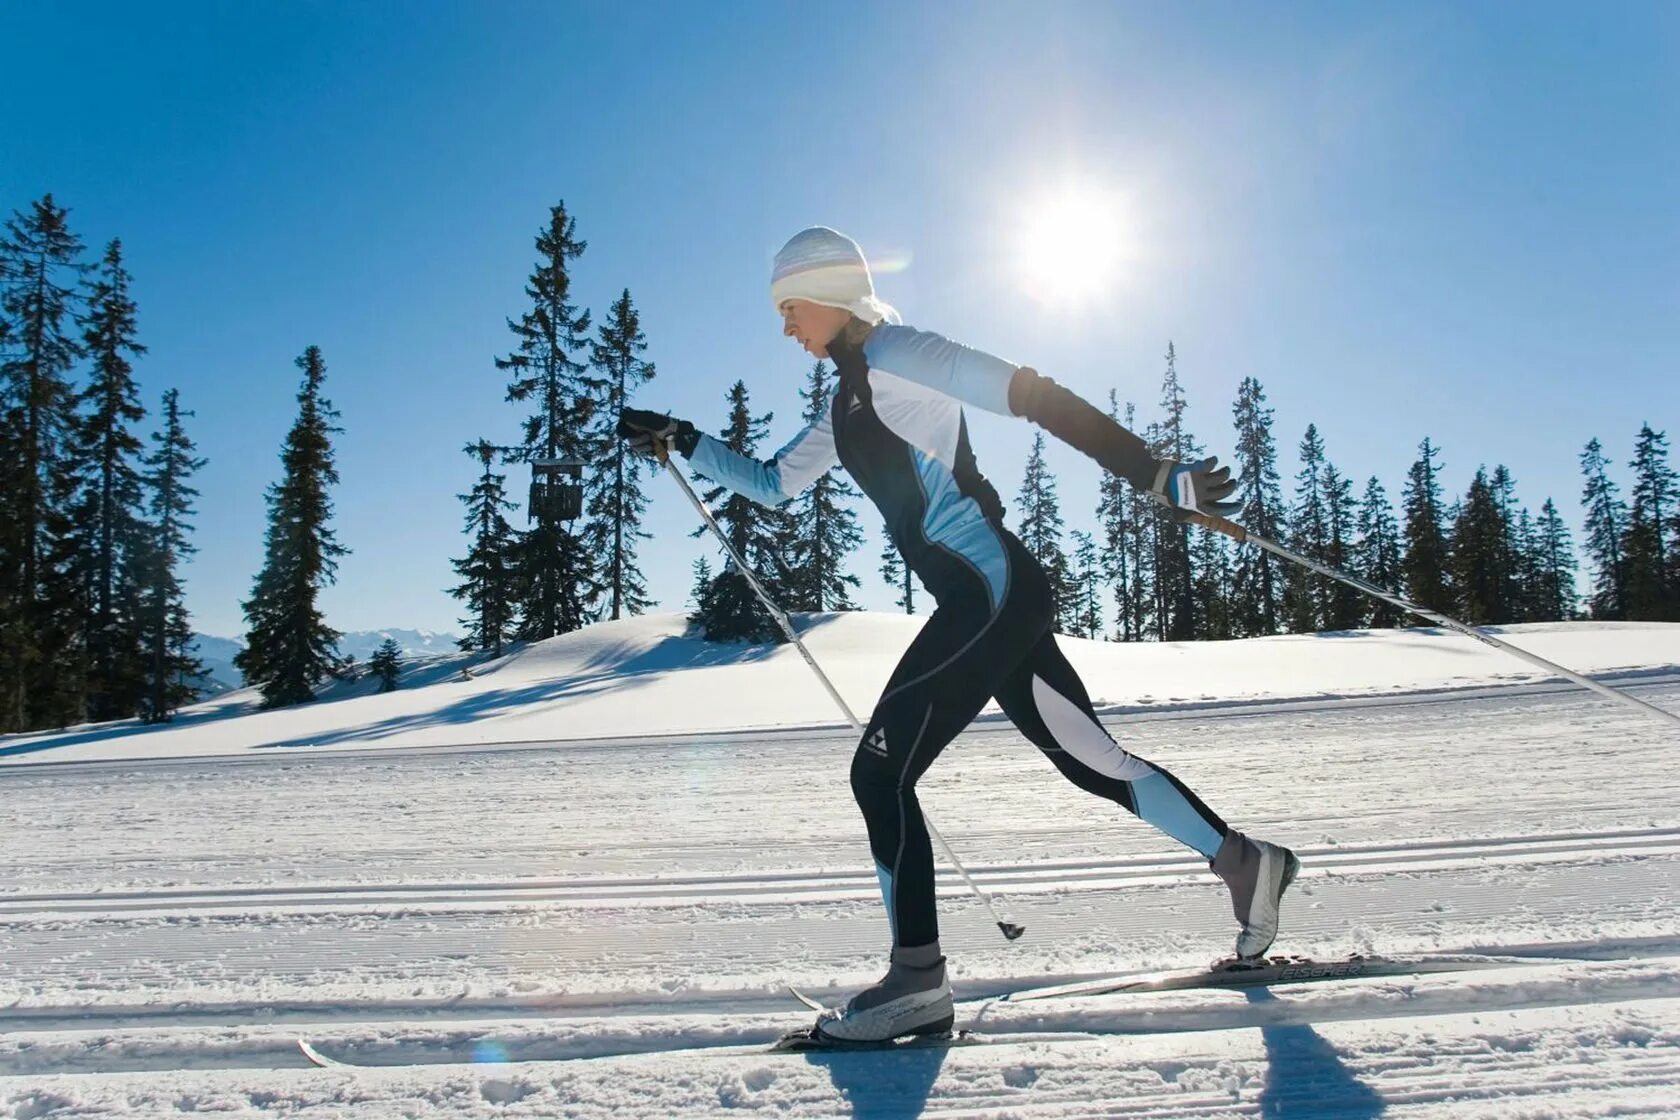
pixel 168 930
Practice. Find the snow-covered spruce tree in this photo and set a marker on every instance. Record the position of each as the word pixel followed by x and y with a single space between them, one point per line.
pixel 1424 563
pixel 556 571
pixel 109 515
pixel 1376 554
pixel 1040 527
pixel 1344 608
pixel 166 633
pixel 386 664
pixel 1557 566
pixel 290 650
pixel 1112 512
pixel 823 526
pixel 42 605
pixel 488 572
pixel 1478 556
pixel 1174 570
pixel 1257 578
pixel 1653 589
pixel 1309 535
pixel 1606 523
pixel 731 611
pixel 897 573
pixel 616 503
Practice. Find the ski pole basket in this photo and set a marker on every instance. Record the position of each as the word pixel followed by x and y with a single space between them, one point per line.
pixel 556 490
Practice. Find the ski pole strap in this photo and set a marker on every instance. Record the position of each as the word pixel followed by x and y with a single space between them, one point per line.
pixel 1218 525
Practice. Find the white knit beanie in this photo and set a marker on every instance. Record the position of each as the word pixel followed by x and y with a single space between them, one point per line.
pixel 827 267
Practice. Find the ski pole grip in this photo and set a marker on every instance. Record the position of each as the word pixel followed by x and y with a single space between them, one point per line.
pixel 1218 525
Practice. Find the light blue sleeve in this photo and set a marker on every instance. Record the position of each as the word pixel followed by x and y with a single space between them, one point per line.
pixel 771 482
pixel 971 376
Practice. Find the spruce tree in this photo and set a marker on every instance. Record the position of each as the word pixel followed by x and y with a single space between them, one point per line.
pixel 1258 578
pixel 1141 596
pixel 1526 589
pixel 109 515
pixel 386 664
pixel 1653 594
pixel 732 611
pixel 1087 575
pixel 1557 566
pixel 1424 564
pixel 1344 607
pixel 43 610
pixel 1211 565
pixel 1174 571
pixel 1504 490
pixel 1377 554
pixel 822 528
pixel 489 586
pixel 1478 556
pixel 1112 525
pixel 897 573
pixel 172 671
pixel 1606 523
pixel 1304 597
pixel 290 650
pixel 701 590
pixel 556 572
pixel 1040 528
pixel 616 502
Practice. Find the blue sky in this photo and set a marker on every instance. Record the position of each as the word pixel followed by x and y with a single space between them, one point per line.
pixel 1406 220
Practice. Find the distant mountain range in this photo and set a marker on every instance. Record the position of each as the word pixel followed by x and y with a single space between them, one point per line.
pixel 221 675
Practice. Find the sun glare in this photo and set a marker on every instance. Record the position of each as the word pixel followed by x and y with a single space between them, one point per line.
pixel 1070 247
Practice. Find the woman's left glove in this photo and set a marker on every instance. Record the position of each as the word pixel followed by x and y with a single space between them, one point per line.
pixel 645 431
pixel 1203 487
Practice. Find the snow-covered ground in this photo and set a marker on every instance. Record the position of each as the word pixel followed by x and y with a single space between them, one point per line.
pixel 569 924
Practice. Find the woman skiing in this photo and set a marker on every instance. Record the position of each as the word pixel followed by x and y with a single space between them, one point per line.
pixel 896 424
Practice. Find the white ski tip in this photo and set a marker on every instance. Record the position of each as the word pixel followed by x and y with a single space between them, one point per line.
pixel 317 1058
pixel 806 1000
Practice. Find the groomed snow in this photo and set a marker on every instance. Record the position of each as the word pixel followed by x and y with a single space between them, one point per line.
pixel 649 676
pixel 595 925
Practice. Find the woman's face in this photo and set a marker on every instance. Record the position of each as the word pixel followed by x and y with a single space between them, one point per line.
pixel 812 325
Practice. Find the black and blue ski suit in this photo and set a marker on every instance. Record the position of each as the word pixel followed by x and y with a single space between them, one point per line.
pixel 896 424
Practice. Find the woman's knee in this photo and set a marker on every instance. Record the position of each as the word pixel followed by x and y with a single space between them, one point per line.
pixel 874 785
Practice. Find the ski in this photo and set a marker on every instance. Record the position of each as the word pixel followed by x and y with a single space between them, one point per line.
pixel 1224 974
pixel 1234 973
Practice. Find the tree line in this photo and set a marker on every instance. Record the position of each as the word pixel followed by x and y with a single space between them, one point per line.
pixel 94 523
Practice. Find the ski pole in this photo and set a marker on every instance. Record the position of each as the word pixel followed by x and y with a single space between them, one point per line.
pixel 1010 929
pixel 1239 534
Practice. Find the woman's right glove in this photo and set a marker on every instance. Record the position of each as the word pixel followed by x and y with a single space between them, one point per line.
pixel 645 431
pixel 1197 487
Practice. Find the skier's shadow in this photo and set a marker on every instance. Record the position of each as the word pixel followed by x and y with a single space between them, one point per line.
pixel 1306 1077
pixel 883 1084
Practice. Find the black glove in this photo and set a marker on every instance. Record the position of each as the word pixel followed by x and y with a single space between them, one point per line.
pixel 645 431
pixel 1203 487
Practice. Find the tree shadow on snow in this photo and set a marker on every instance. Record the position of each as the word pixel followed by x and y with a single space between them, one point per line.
pixel 883 1085
pixel 609 669
pixel 1305 1077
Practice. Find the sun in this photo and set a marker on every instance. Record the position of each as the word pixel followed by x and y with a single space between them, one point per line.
pixel 1069 246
